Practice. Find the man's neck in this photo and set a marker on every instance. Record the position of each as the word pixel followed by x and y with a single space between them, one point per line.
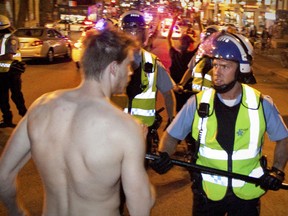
pixel 233 93
pixel 95 89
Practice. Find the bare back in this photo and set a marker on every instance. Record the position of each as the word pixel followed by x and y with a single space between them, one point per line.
pixel 81 146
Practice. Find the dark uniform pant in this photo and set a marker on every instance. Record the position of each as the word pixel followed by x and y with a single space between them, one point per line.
pixel 4 97
pixel 15 84
pixel 11 81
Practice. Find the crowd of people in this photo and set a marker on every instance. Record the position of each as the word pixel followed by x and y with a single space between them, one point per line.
pixel 97 165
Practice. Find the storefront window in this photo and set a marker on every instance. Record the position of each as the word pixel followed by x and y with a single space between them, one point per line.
pixel 248 18
pixel 231 17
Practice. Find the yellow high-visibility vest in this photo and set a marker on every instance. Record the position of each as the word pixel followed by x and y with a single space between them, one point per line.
pixel 249 132
pixel 144 104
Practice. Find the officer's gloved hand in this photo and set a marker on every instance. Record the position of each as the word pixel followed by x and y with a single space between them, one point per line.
pixel 272 179
pixel 163 164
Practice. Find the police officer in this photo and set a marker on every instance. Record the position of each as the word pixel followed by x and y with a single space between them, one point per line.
pixel 11 69
pixel 199 68
pixel 200 65
pixel 229 122
pixel 149 76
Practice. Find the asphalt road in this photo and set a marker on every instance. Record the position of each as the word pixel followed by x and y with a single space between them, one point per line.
pixel 174 197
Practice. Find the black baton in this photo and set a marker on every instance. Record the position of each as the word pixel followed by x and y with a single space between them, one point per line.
pixel 212 171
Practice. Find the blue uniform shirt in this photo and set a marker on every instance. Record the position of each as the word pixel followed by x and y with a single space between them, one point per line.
pixel 275 126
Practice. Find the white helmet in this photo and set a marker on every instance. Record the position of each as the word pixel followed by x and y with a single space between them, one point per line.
pixel 245 42
pixel 4 22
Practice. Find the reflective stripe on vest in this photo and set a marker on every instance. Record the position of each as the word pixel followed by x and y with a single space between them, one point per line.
pixel 199 82
pixel 249 131
pixel 143 104
pixel 3 47
pixel 5 66
pixel 142 112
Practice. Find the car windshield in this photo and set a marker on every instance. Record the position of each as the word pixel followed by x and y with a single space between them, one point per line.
pixel 29 32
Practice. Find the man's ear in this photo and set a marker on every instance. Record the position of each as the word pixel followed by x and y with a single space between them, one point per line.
pixel 113 68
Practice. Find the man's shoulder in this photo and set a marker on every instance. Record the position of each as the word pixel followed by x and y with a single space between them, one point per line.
pixel 44 98
pixel 126 129
pixel 121 120
pixel 267 102
pixel 127 122
pixel 44 103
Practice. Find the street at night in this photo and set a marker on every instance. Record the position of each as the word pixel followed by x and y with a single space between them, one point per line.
pixel 78 152
pixel 174 197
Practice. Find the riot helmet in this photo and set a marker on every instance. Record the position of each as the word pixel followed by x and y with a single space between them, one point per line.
pixel 246 44
pixel 133 22
pixel 209 30
pixel 5 25
pixel 4 22
pixel 246 77
pixel 230 47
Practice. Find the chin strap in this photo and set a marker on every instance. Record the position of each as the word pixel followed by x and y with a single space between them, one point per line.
pixel 224 88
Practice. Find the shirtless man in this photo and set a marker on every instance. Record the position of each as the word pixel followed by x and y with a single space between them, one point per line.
pixel 81 143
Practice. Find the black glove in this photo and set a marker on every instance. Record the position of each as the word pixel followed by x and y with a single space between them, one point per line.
pixel 17 67
pixel 163 164
pixel 272 179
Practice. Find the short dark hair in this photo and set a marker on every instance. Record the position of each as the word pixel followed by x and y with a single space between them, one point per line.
pixel 103 47
pixel 186 39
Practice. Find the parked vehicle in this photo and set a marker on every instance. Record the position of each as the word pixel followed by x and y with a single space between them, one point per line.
pixel 59 25
pixel 165 27
pixel 80 25
pixel 42 42
pixel 67 25
pixel 177 32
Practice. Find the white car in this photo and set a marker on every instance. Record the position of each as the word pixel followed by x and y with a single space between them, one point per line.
pixel 177 32
pixel 65 25
pixel 81 25
pixel 59 25
pixel 42 42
